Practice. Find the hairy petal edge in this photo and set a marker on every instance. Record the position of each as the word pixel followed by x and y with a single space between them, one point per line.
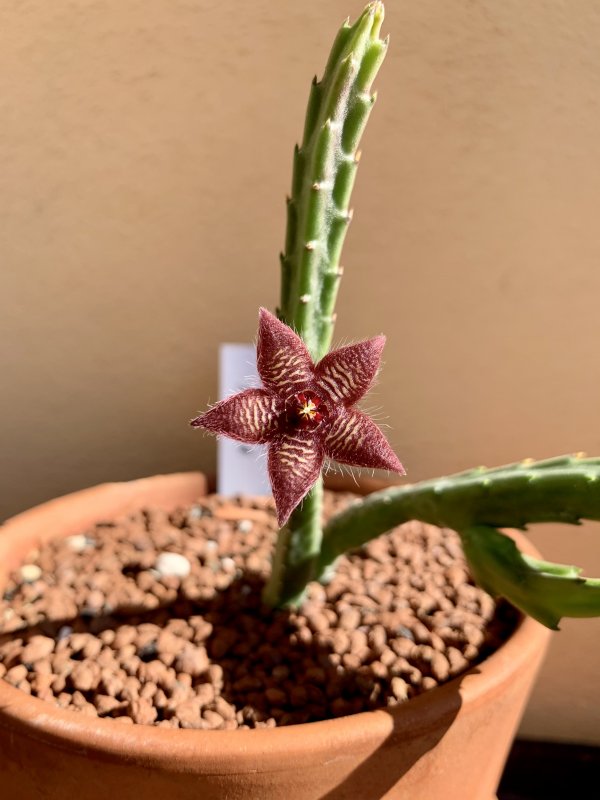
pixel 345 375
pixel 295 463
pixel 251 416
pixel 284 364
pixel 355 439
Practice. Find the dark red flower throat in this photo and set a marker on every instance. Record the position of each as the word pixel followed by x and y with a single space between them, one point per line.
pixel 306 410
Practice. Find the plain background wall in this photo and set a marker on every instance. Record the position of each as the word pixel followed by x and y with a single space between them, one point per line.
pixel 145 151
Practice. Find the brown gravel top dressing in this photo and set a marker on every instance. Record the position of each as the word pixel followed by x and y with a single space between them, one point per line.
pixel 156 619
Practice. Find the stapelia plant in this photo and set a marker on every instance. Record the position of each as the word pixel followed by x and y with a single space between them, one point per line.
pixel 306 413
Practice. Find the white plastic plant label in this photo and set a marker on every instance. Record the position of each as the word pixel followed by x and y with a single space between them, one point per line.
pixel 241 468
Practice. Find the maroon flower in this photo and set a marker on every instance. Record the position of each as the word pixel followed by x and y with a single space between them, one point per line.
pixel 305 411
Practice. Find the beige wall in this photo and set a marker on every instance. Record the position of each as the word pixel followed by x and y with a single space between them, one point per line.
pixel 145 151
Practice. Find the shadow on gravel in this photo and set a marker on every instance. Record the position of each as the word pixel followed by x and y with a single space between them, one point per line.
pixel 250 644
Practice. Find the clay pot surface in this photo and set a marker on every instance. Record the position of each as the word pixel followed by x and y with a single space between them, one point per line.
pixel 447 744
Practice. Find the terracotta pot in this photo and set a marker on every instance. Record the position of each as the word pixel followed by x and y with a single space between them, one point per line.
pixel 447 744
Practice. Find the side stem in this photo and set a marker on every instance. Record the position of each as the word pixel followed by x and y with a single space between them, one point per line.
pixel 475 504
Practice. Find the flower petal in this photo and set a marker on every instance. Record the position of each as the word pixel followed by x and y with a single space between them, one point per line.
pixel 355 439
pixel 252 416
pixel 345 375
pixel 295 463
pixel 283 362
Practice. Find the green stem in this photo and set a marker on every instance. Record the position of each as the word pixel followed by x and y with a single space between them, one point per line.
pixel 564 490
pixel 324 171
pixel 318 215
pixel 296 552
pixel 475 503
pixel 544 590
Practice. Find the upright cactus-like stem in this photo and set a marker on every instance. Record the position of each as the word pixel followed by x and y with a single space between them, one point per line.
pixel 476 503
pixel 324 170
pixel 318 215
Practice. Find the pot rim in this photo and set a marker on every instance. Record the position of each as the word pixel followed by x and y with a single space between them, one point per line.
pixel 217 750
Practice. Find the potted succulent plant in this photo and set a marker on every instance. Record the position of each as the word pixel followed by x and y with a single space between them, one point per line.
pixel 364 676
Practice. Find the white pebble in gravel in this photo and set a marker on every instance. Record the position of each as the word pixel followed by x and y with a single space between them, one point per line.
pixel 245 525
pixel 79 542
pixel 172 565
pixel 30 573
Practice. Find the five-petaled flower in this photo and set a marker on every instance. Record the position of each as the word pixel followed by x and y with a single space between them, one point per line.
pixel 305 411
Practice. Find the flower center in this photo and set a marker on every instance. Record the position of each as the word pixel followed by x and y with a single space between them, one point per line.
pixel 306 410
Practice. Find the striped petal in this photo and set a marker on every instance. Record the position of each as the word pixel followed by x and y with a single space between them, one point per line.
pixel 355 439
pixel 295 463
pixel 283 361
pixel 251 416
pixel 345 375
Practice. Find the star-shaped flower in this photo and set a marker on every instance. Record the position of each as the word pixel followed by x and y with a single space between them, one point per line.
pixel 305 411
